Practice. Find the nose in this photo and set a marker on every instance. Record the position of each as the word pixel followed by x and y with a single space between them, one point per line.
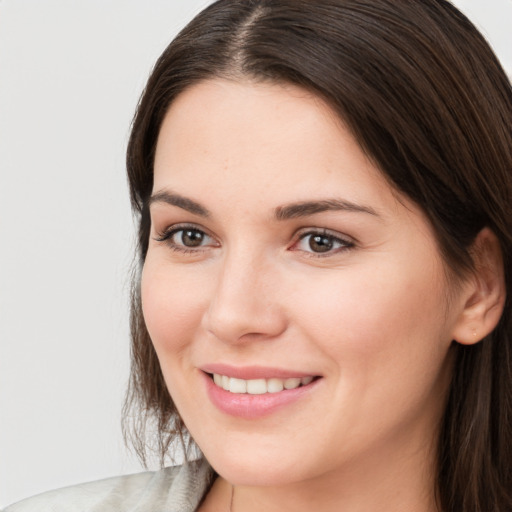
pixel 244 304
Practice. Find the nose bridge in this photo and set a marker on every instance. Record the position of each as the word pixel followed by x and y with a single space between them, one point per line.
pixel 243 303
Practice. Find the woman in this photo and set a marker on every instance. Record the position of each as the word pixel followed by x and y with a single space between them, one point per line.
pixel 324 195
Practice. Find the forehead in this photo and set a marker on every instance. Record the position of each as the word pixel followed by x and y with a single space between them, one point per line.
pixel 263 114
pixel 267 136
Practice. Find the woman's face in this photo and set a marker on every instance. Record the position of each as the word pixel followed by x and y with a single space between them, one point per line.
pixel 279 254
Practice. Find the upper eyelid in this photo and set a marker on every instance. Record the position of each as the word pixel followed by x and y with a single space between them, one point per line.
pixel 182 226
pixel 326 232
pixel 347 244
pixel 166 236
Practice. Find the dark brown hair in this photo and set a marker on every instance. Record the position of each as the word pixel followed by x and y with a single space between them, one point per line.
pixel 429 103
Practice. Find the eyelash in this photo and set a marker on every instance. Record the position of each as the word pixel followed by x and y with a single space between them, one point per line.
pixel 334 238
pixel 166 236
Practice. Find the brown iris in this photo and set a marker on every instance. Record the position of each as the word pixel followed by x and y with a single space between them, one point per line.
pixel 320 243
pixel 192 237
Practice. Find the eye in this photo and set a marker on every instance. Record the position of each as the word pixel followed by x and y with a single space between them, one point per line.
pixel 189 237
pixel 186 238
pixel 322 243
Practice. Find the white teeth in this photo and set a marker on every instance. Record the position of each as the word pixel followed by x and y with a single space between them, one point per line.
pixel 291 383
pixel 256 386
pixel 259 386
pixel 237 385
pixel 275 385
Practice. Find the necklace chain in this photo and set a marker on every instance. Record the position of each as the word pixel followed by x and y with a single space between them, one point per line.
pixel 232 496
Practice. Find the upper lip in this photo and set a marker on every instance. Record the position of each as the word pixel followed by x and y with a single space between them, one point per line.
pixel 253 372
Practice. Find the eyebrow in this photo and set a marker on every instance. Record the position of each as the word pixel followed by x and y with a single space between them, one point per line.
pixel 181 202
pixel 289 211
pixel 303 209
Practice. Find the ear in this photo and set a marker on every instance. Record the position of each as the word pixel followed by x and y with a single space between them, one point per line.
pixel 483 291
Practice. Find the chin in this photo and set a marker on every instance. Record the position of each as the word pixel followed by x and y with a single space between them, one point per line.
pixel 255 473
pixel 253 464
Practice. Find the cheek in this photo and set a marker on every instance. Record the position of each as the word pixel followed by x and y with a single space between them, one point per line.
pixel 172 304
pixel 376 321
pixel 385 340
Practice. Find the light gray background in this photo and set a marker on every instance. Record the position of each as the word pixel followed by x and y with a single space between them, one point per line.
pixel 70 76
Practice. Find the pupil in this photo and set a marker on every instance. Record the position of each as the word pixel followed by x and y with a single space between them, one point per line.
pixel 192 238
pixel 320 243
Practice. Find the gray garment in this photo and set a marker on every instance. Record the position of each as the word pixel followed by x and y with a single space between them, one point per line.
pixel 174 489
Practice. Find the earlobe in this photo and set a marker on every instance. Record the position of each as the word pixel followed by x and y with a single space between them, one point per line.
pixel 484 291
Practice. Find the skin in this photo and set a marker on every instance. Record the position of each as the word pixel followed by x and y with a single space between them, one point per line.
pixel 371 316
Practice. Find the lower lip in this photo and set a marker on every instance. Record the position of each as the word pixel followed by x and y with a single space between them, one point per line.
pixel 248 406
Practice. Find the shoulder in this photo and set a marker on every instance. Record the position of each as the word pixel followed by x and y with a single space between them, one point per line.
pixel 174 489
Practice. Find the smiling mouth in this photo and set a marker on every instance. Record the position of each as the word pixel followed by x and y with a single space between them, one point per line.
pixel 259 386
